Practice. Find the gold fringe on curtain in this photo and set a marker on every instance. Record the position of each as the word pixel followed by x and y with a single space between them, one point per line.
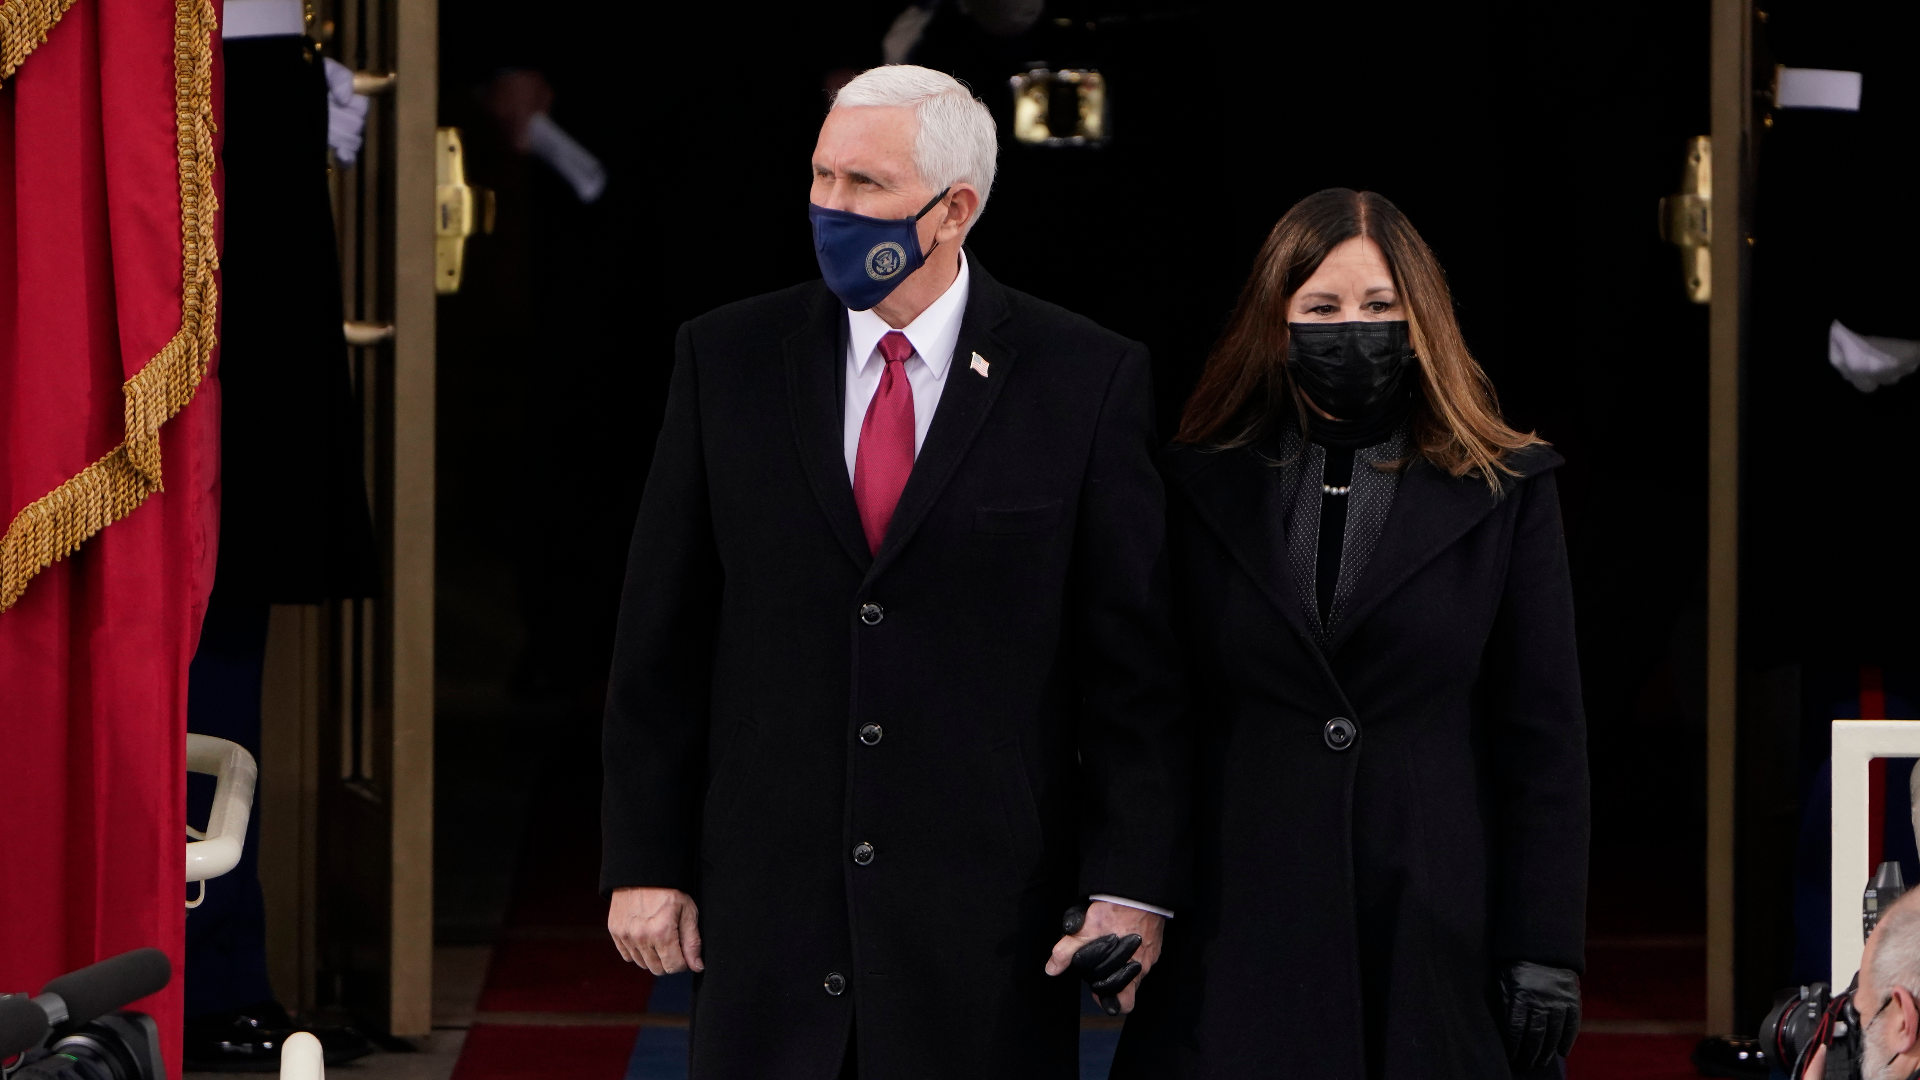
pixel 23 26
pixel 55 525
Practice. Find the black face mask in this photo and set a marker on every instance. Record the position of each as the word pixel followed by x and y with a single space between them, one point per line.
pixel 1350 369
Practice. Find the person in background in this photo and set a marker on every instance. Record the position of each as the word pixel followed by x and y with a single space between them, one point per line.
pixel 895 685
pixel 1886 999
pixel 294 520
pixel 594 265
pixel 1391 812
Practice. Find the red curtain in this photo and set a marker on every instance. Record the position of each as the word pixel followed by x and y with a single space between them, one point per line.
pixel 107 307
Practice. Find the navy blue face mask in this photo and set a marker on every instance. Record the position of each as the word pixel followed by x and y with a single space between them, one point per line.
pixel 863 258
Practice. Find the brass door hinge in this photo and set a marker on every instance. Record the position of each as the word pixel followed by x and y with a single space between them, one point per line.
pixel 1686 220
pixel 459 208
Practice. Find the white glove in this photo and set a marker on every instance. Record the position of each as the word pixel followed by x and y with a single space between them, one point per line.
pixel 576 164
pixel 1870 362
pixel 346 112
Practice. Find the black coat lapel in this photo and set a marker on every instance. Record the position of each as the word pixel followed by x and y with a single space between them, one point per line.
pixel 815 354
pixel 1238 495
pixel 964 403
pixel 1430 511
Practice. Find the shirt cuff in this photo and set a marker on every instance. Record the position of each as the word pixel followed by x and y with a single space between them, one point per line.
pixel 1124 902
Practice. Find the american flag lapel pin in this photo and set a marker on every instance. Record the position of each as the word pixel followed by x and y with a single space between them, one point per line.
pixel 980 364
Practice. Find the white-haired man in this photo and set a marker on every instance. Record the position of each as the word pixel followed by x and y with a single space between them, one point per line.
pixel 1886 998
pixel 894 684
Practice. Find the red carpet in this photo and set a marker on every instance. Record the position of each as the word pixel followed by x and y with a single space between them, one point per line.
pixel 563 977
pixel 533 1052
pixel 553 961
pixel 1647 979
pixel 1632 981
pixel 1632 1057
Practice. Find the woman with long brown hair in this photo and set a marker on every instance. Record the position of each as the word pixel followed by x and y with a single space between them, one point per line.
pixel 1390 810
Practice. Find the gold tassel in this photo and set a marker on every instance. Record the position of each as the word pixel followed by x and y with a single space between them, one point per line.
pixel 23 26
pixel 55 525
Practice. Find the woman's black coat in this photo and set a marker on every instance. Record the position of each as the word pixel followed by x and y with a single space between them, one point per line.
pixel 1355 906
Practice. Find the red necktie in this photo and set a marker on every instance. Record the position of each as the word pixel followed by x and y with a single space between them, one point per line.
pixel 885 456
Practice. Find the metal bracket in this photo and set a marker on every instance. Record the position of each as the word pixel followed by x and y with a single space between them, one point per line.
pixel 458 208
pixel 1060 108
pixel 1686 219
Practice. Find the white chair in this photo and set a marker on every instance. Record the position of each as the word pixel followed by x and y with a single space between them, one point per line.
pixel 217 850
pixel 1855 743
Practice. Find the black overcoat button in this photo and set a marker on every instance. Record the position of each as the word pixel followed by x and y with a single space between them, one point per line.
pixel 835 983
pixel 871 614
pixel 870 733
pixel 862 853
pixel 1339 733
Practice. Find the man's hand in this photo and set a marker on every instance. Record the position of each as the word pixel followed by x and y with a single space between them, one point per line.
pixel 658 929
pixel 1103 919
pixel 1816 1065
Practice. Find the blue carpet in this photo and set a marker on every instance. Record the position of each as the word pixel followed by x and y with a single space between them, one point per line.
pixel 660 1053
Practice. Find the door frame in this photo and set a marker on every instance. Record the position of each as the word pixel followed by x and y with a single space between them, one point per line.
pixel 347 705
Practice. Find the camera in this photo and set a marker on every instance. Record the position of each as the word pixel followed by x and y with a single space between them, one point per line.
pixel 74 1028
pixel 1803 1021
pixel 1814 1017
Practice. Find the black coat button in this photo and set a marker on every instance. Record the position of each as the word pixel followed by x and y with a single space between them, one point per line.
pixel 871 614
pixel 835 983
pixel 870 733
pixel 862 853
pixel 1339 733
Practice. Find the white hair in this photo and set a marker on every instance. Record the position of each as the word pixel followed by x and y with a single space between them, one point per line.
pixel 956 142
pixel 1896 954
pixel 1896 963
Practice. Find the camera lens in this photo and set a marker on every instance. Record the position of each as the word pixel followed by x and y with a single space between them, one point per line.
pixel 97 1058
pixel 1785 1032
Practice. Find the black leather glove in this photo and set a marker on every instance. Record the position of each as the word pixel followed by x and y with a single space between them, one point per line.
pixel 1542 1012
pixel 1105 963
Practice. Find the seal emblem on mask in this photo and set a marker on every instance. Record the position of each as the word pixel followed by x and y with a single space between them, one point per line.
pixel 885 260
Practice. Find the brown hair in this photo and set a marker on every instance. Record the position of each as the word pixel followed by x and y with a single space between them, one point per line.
pixel 1246 388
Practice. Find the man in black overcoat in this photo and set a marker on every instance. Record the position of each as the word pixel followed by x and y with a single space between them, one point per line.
pixel 894 683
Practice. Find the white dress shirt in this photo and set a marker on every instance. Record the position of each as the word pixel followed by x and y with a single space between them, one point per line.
pixel 934 334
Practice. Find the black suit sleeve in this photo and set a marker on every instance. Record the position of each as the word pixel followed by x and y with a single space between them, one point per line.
pixel 1537 737
pixel 653 742
pixel 1133 751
